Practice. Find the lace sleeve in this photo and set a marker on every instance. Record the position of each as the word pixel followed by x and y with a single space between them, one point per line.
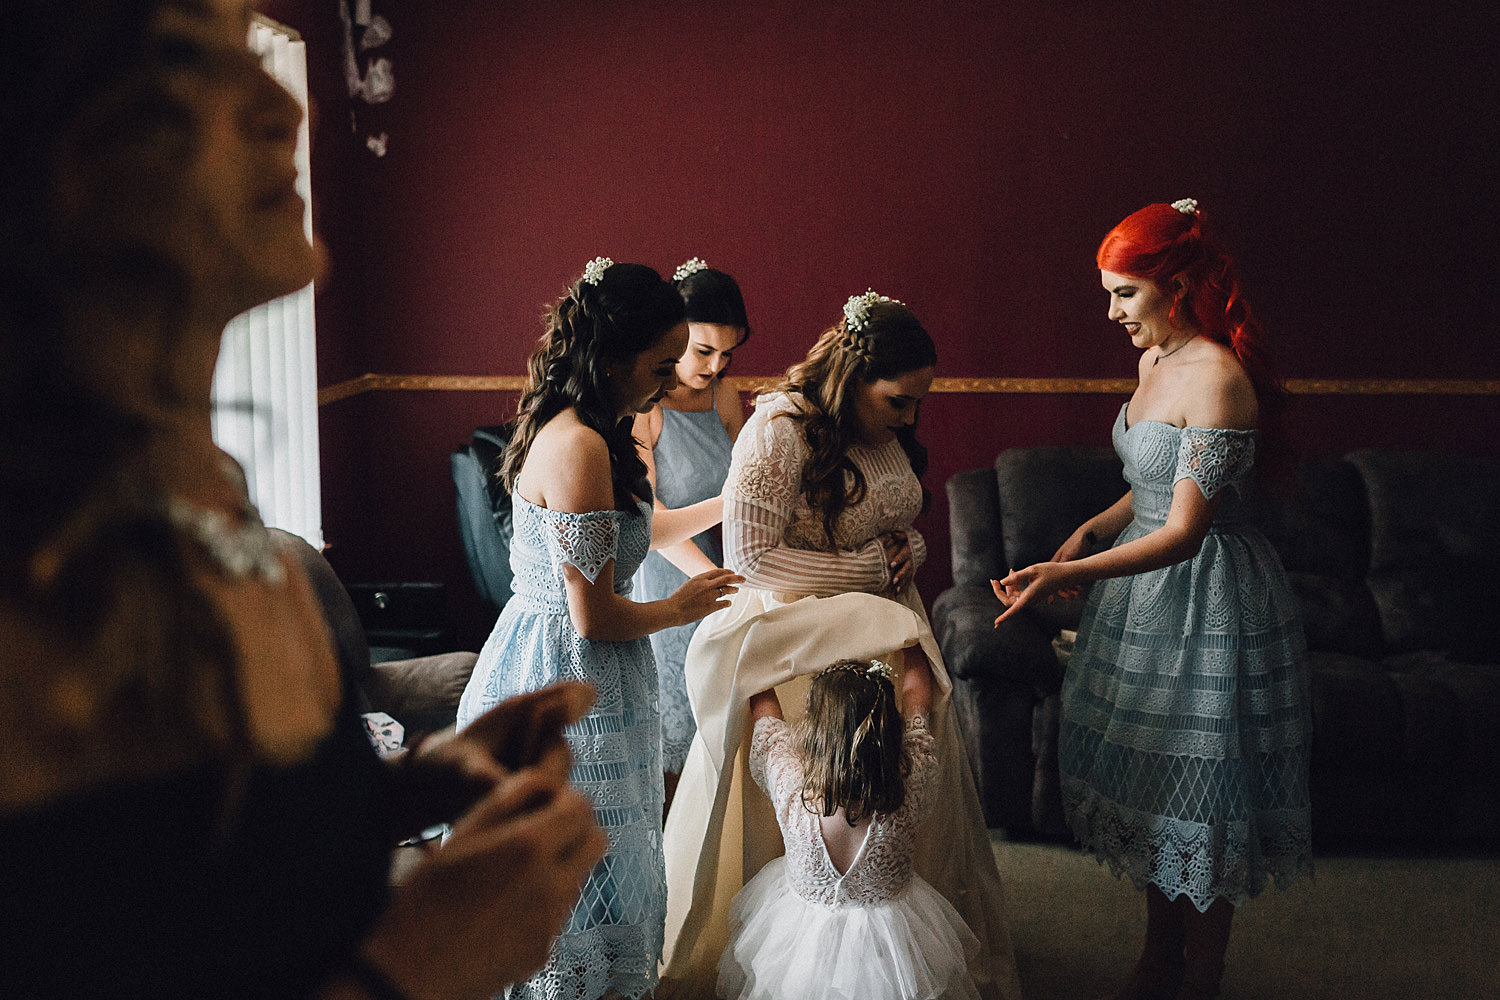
pixel 760 500
pixel 924 762
pixel 586 541
pixel 1214 457
pixel 773 761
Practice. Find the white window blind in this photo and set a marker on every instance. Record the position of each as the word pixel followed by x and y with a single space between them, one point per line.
pixel 266 386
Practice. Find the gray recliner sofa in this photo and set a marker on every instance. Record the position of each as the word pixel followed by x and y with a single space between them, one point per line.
pixel 1395 560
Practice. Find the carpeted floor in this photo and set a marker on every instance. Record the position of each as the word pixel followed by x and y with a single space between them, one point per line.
pixel 1366 928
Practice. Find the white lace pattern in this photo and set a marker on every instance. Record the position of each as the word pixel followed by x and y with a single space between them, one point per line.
pixel 882 868
pixel 777 540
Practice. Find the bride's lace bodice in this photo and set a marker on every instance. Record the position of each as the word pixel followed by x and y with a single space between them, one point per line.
pixel 882 866
pixel 776 540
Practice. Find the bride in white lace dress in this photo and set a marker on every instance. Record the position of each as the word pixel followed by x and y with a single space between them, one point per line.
pixel 818 511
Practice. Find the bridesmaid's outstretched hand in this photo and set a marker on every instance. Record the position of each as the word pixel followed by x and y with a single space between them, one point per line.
pixel 1022 586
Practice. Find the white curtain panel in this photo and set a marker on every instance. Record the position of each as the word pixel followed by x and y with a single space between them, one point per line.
pixel 266 385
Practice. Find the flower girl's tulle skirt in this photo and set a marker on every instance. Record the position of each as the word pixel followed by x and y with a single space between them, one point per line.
pixel 783 947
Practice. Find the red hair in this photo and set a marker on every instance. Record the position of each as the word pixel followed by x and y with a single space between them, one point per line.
pixel 1170 249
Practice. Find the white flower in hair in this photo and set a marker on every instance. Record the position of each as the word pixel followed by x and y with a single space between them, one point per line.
pixel 879 668
pixel 857 309
pixel 691 267
pixel 593 272
pixel 1187 206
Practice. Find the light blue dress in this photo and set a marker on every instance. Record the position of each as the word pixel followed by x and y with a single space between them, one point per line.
pixel 614 938
pixel 692 458
pixel 1186 717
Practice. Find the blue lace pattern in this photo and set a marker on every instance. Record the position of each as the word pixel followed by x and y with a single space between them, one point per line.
pixel 1186 713
pixel 692 459
pixel 614 938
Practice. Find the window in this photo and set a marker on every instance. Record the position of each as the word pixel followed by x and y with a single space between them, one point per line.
pixel 265 387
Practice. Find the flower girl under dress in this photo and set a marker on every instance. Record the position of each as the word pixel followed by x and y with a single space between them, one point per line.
pixel 801 930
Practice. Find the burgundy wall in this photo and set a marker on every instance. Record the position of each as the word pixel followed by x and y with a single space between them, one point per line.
pixel 963 157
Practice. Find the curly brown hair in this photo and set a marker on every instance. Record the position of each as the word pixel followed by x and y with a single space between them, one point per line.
pixel 890 342
pixel 594 326
pixel 853 756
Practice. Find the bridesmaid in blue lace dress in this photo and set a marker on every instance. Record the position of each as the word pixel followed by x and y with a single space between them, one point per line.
pixel 1186 717
pixel 583 523
pixel 685 441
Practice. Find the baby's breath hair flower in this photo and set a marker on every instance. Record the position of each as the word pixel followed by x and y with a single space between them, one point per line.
pixel 857 309
pixel 1187 206
pixel 593 272
pixel 689 268
pixel 879 668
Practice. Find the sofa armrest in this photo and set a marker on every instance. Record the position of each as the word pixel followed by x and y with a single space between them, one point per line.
pixel 422 694
pixel 974 649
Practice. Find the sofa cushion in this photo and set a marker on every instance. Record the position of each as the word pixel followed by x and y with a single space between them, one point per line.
pixel 973 648
pixel 1476 691
pixel 423 693
pixel 1324 526
pixel 1452 715
pixel 1357 713
pixel 1446 605
pixel 1430 507
pixel 1045 493
pixel 1338 614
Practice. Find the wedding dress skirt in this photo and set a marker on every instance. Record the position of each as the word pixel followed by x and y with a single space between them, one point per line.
pixel 722 829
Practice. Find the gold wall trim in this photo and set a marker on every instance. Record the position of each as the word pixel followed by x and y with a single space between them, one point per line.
pixel 1014 386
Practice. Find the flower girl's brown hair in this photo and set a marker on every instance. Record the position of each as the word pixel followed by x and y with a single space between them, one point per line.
pixel 853 756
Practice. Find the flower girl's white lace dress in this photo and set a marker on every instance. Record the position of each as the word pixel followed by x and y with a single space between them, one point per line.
pixel 802 930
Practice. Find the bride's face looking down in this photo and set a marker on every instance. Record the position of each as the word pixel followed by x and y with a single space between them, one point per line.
pixel 886 405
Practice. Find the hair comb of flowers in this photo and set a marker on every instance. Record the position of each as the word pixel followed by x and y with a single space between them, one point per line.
pixel 689 268
pixel 857 309
pixel 593 272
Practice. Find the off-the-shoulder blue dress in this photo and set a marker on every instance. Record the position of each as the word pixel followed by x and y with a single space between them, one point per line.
pixel 1186 718
pixel 614 938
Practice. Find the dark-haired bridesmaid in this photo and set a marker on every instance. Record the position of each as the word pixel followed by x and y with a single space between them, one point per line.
pixel 686 440
pixel 583 523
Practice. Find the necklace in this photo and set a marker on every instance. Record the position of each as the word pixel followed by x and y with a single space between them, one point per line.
pixel 241 550
pixel 1173 351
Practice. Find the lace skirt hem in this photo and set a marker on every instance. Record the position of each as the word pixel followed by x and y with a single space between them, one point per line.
pixel 586 966
pixel 1204 861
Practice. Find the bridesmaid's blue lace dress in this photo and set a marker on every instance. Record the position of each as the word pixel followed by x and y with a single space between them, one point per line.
pixel 692 459
pixel 1186 716
pixel 613 939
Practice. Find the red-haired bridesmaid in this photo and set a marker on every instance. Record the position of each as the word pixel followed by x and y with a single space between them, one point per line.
pixel 1186 719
